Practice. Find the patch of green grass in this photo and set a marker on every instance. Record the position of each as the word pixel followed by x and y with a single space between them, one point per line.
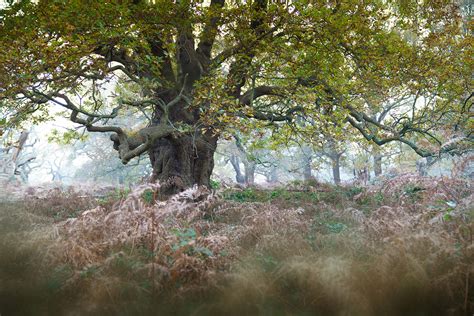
pixel 215 184
pixel 89 271
pixel 352 191
pixel 148 196
pixel 413 190
pixel 335 196
pixel 112 197
pixel 327 223
pixel 247 195
pixel 369 202
pixel 279 194
pixel 335 227
pixel 186 242
pixel 59 277
pixel 268 262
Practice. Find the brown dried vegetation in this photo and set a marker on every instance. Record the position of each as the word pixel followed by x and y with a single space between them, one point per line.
pixel 403 247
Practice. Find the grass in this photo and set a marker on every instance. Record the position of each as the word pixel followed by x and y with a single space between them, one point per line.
pixel 310 250
pixel 337 196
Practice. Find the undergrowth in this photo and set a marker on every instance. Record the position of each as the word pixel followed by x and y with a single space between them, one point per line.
pixel 403 247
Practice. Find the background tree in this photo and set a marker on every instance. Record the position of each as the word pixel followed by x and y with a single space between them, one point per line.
pixel 17 160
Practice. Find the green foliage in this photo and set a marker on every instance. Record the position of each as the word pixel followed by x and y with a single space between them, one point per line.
pixel 247 195
pixel 280 193
pixel 66 137
pixel 335 195
pixel 353 191
pixel 215 184
pixel 186 243
pixel 446 208
pixel 327 223
pixel 268 262
pixel 148 196
pixel 59 277
pixel 323 62
pixel 112 197
pixel 368 201
pixel 185 237
pixel 89 271
pixel 335 227
pixel 413 191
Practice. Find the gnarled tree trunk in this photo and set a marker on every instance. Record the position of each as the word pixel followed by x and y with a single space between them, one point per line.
pixel 181 163
pixel 182 160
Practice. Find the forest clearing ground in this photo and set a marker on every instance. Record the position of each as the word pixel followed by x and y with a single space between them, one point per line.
pixel 403 246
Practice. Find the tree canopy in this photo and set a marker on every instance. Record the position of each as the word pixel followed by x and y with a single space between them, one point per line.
pixel 200 70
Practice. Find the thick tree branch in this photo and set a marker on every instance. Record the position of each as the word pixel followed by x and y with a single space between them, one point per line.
pixel 382 141
pixel 272 117
pixel 209 32
pixel 242 47
pixel 239 69
pixel 257 92
pixel 127 146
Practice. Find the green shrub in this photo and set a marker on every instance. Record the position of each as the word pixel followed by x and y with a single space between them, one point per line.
pixel 148 196
pixel 215 184
pixel 247 195
pixel 413 191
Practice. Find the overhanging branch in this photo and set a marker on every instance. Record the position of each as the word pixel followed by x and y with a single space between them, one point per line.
pixel 127 146
pixel 257 92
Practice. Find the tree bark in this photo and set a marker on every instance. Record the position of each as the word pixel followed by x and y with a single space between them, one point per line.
pixel 247 160
pixel 179 163
pixel 336 169
pixel 182 160
pixel 249 172
pixel 307 162
pixel 377 165
pixel 235 162
pixel 272 175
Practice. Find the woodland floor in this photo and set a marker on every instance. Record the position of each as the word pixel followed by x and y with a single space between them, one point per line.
pixel 401 247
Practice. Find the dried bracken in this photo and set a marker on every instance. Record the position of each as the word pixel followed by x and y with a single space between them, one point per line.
pixel 404 246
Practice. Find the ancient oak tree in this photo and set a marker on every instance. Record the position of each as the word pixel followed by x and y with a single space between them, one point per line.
pixel 201 69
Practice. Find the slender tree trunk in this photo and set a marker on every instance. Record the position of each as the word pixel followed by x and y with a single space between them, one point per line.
pixel 249 163
pixel 336 169
pixel 272 175
pixel 307 163
pixel 249 172
pixel 377 165
pixel 19 147
pixel 307 175
pixel 235 162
